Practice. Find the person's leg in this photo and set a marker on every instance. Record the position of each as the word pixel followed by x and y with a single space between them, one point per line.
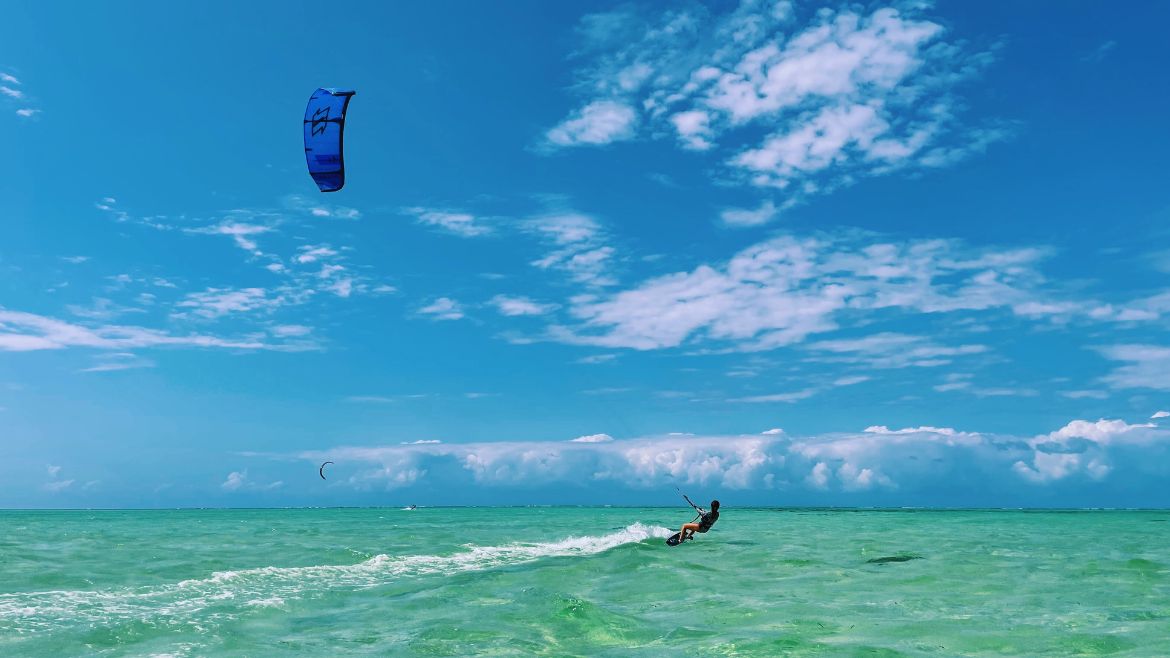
pixel 692 527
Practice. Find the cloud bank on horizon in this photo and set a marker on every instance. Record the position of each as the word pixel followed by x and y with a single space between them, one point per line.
pixel 1111 456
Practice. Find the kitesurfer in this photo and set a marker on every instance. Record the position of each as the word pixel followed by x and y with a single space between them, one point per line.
pixel 706 520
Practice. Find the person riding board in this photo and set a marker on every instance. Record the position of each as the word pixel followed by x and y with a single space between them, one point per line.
pixel 705 520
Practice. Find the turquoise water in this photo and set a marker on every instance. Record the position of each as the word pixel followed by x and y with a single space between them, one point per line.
pixel 583 582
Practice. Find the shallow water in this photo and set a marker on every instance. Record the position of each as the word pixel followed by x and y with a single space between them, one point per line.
pixel 583 581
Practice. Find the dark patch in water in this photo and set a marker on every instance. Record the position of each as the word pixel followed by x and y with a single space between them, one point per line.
pixel 893 558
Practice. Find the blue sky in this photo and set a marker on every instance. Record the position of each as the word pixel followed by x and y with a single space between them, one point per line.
pixel 907 254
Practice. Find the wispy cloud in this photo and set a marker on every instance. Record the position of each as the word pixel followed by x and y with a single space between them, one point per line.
pixel 513 306
pixel 781 291
pixel 443 308
pixel 23 332
pixel 579 247
pixel 1147 366
pixel 214 303
pixel 14 96
pixel 1100 52
pixel 458 223
pixel 117 361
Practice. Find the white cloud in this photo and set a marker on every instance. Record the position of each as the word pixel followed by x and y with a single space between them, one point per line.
pixel 599 122
pixel 513 306
pixel 53 470
pixel 925 429
pixel 241 233
pixel 593 438
pixel 773 431
pixel 579 247
pixel 234 481
pixel 27 112
pixel 997 469
pixel 112 362
pixel 744 217
pixel 314 253
pixel 1089 449
pixel 239 481
pixel 11 93
pixel 10 79
pixel 594 359
pixel 1160 414
pixel 694 129
pixel 443 308
pixel 23 332
pixel 791 396
pixel 781 291
pixel 291 330
pixel 458 223
pixel 1085 394
pixel 315 208
pixel 1146 366
pixel 58 485
pixel 849 94
pixel 216 302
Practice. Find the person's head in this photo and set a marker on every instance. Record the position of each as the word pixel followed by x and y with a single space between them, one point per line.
pixel 714 505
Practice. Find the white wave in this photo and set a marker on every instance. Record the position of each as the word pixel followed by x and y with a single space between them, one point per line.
pixel 180 604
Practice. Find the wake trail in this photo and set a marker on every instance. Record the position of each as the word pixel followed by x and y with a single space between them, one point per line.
pixel 226 594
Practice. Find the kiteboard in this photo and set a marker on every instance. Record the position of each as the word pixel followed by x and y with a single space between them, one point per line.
pixel 674 539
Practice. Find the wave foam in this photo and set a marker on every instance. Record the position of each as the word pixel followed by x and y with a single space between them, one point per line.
pixel 179 604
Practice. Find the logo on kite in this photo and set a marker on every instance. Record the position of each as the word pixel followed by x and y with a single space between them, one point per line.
pixel 324 128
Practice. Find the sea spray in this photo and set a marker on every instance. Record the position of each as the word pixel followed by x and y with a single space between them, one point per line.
pixel 180 603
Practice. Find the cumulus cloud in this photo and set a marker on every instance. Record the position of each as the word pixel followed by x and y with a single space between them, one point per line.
pixel 234 481
pixel 599 122
pixel 593 438
pixel 879 460
pixel 847 94
pixel 239 481
pixel 1090 449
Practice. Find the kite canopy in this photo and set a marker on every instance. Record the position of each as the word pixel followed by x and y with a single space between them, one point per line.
pixel 324 125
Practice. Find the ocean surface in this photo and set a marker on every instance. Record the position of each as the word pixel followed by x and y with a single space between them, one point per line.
pixel 583 582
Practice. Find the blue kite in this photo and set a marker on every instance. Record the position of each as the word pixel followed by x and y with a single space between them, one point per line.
pixel 324 126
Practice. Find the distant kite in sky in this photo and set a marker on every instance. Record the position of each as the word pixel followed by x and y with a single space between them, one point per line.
pixel 324 126
pixel 321 471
